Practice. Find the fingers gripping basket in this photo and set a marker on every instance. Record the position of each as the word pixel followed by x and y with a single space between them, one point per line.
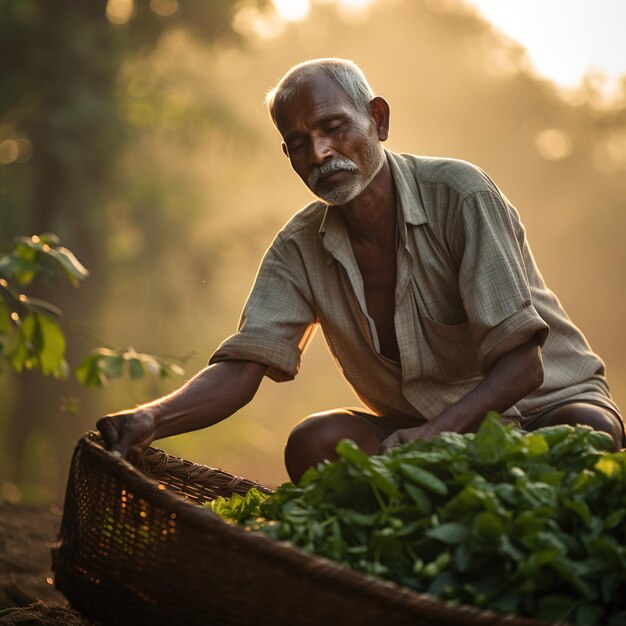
pixel 136 548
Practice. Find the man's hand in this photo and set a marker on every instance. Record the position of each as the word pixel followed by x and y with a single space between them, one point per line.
pixel 514 375
pixel 128 433
pixel 210 396
pixel 427 432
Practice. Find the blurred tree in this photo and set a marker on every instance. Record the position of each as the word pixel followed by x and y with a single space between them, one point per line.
pixel 60 133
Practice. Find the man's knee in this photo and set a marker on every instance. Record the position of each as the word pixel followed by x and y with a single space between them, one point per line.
pixel 315 439
pixel 593 416
pixel 312 434
pixel 310 442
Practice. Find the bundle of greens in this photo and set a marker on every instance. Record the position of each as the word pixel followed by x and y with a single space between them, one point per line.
pixel 531 524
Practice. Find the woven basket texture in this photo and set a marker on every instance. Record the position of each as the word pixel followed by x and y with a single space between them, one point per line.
pixel 136 548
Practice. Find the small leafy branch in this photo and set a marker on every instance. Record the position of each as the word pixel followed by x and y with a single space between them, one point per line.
pixel 105 363
pixel 31 336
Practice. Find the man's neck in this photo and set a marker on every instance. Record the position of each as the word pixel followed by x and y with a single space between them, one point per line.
pixel 371 216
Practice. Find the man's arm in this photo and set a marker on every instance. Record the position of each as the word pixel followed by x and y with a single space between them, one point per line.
pixel 513 376
pixel 212 395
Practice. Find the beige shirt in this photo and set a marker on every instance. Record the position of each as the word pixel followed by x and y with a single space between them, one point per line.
pixel 468 291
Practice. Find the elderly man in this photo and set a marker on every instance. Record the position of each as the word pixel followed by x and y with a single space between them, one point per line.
pixel 419 273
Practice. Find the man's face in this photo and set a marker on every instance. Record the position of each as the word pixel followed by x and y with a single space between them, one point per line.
pixel 333 147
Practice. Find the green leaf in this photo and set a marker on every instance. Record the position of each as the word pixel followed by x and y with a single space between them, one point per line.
pixel 347 449
pixel 111 365
pixel 536 444
pixel 508 548
pixel 16 268
pixel 589 615
pixel 135 367
pixel 16 349
pixel 488 527
pixel 451 532
pixel 88 372
pixel 383 478
pixel 350 517
pixel 28 327
pixel 556 607
pixel 614 518
pixel 463 557
pixel 73 268
pixel 419 497
pixel 608 466
pixel 37 340
pixel 50 238
pixel 508 602
pixel 554 435
pixel 52 352
pixel 491 441
pixel 25 262
pixel 580 508
pixel 5 318
pixel 423 478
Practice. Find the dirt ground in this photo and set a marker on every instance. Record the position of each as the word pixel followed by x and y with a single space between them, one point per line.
pixel 27 593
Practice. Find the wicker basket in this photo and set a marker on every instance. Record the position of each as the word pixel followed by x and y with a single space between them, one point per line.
pixel 136 548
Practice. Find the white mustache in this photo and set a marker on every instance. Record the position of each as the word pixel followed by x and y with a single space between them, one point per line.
pixel 330 166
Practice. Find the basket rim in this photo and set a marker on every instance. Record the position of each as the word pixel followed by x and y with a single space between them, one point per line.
pixel 203 519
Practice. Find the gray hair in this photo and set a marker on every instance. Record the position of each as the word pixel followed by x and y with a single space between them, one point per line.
pixel 346 74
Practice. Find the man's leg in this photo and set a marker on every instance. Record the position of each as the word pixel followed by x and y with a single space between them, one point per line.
pixel 315 438
pixel 582 413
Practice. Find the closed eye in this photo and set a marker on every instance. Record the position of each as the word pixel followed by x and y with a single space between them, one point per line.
pixel 296 144
pixel 329 128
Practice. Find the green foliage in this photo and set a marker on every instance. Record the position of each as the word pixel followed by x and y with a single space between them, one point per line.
pixel 237 507
pixel 30 334
pixel 40 254
pixel 523 523
pixel 103 364
pixel 36 342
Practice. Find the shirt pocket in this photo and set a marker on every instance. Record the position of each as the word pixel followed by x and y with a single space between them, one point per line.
pixel 453 349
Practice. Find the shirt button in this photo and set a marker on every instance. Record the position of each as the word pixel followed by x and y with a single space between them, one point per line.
pixel 527 303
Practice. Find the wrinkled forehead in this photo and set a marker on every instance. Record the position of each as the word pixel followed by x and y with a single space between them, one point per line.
pixel 314 94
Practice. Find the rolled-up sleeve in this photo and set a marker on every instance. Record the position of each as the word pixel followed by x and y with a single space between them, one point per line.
pixel 493 279
pixel 278 319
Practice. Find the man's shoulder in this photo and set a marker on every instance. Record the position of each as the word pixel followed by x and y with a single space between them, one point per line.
pixel 461 176
pixel 304 223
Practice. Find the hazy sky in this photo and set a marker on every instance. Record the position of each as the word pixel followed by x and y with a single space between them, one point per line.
pixel 564 38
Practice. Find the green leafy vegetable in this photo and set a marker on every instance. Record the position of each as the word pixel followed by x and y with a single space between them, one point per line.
pixel 520 523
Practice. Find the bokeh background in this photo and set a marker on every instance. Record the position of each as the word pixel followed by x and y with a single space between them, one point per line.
pixel 136 132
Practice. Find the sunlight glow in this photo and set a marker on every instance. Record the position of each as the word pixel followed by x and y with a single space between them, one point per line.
pixel 9 151
pixel 609 155
pixel 553 144
pixel 354 11
pixel 12 150
pixel 251 20
pixel 565 39
pixel 165 8
pixel 292 10
pixel 120 11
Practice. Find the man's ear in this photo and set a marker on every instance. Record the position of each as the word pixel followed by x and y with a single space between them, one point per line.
pixel 379 110
pixel 283 145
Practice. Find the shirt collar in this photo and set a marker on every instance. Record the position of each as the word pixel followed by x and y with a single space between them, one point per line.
pixel 408 195
pixel 411 210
